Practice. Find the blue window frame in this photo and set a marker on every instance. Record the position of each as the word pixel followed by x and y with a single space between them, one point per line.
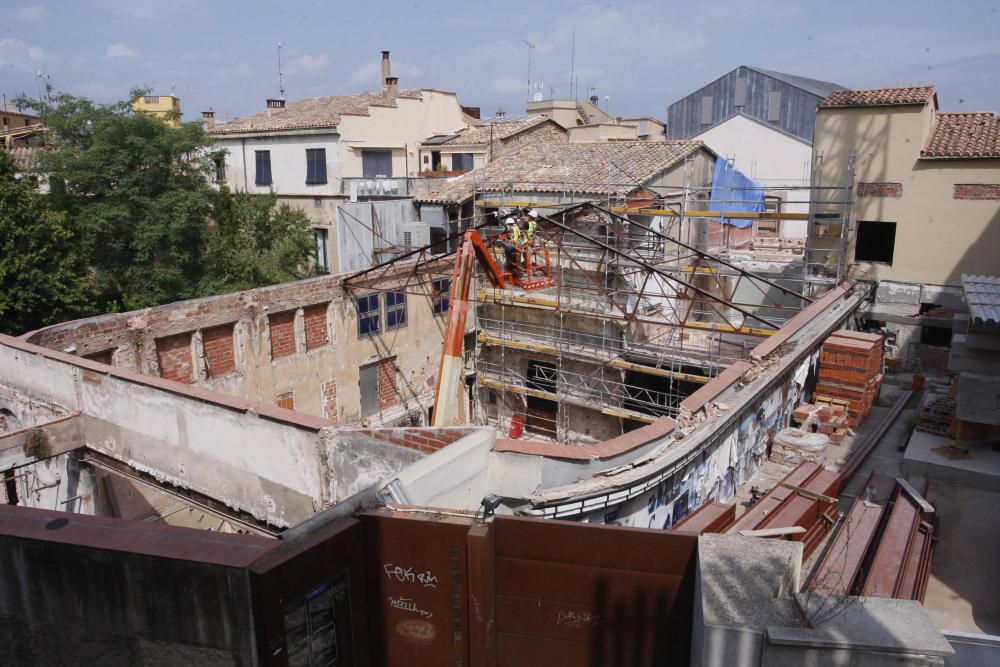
pixel 368 315
pixel 395 310
pixel 441 295
pixel 315 166
pixel 263 160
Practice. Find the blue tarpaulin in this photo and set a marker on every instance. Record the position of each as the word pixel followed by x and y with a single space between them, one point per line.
pixel 734 192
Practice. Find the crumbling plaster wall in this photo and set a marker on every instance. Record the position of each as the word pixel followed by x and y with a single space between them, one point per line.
pixel 307 373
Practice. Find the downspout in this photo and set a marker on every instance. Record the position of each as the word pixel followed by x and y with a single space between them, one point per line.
pixel 243 144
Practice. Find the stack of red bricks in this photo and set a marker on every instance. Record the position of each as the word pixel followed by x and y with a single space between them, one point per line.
pixel 850 373
pixel 829 418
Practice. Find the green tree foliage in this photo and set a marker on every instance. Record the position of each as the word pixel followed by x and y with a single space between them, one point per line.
pixel 136 191
pixel 43 279
pixel 254 241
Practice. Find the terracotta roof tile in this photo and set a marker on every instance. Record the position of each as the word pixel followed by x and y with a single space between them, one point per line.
pixel 879 97
pixel 480 134
pixel 24 157
pixel 313 112
pixel 542 167
pixel 964 135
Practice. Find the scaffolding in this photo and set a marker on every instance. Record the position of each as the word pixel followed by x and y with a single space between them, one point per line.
pixel 653 294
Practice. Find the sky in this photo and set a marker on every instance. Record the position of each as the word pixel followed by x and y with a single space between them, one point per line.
pixel 640 56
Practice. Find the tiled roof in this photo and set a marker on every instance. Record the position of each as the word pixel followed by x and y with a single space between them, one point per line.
pixel 964 135
pixel 313 112
pixel 879 97
pixel 23 156
pixel 480 134
pixel 548 167
pixel 982 294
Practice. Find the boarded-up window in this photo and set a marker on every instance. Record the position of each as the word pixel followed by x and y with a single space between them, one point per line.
pixel 706 110
pixel 740 92
pixel 220 355
pixel 317 333
pixel 286 400
pixel 173 354
pixel 774 106
pixel 282 326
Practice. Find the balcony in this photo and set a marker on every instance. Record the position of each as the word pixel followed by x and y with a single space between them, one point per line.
pixel 381 186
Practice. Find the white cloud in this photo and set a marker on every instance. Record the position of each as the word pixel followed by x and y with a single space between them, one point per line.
pixel 119 50
pixel 31 14
pixel 307 64
pixel 21 56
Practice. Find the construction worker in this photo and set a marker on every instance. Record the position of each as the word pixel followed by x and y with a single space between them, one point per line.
pixel 532 225
pixel 509 240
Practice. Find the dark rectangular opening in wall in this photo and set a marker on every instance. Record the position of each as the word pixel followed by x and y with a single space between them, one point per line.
pixel 938 336
pixel 876 241
pixel 10 487
pixel 542 412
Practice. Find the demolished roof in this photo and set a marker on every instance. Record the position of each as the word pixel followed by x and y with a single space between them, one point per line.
pixel 880 97
pixel 550 167
pixel 313 112
pixel 964 135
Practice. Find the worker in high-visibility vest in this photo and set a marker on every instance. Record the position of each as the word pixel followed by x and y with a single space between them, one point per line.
pixel 510 241
pixel 532 225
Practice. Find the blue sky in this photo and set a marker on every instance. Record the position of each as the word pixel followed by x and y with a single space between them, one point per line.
pixel 641 55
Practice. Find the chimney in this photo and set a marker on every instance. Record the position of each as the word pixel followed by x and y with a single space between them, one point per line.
pixel 501 113
pixel 275 103
pixel 208 118
pixel 391 87
pixel 593 100
pixel 386 70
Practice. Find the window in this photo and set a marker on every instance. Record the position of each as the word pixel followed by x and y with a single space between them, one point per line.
pixel 938 336
pixel 220 169
pixel 315 166
pixel 321 238
pixel 461 161
pixel 263 167
pixel 395 310
pixel 376 163
pixel 368 315
pixel 875 242
pixel 774 106
pixel 706 110
pixel 440 295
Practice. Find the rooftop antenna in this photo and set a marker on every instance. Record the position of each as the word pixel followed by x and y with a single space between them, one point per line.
pixel 531 47
pixel 281 75
pixel 572 63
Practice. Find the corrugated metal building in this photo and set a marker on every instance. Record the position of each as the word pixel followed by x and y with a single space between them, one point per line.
pixel 786 101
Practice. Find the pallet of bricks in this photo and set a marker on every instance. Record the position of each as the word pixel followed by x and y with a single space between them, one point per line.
pixel 850 373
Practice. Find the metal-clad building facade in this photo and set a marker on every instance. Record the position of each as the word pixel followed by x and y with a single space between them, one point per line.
pixel 784 100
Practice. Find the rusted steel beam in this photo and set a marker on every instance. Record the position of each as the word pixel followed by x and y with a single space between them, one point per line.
pixel 859 454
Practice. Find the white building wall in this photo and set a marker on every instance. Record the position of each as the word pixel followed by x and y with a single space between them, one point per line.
pixel 770 157
pixel 288 163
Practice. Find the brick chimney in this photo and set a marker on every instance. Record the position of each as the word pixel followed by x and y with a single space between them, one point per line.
pixel 208 118
pixel 386 70
pixel 391 87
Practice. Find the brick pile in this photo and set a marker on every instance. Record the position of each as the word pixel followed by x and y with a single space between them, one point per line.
pixel 827 417
pixel 850 373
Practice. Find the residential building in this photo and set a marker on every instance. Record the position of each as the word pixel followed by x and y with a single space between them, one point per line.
pixel 925 209
pixel 647 128
pixel 166 107
pixel 474 146
pixel 319 154
pixel 15 119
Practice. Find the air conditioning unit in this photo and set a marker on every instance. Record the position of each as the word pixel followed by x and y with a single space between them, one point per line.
pixel 416 234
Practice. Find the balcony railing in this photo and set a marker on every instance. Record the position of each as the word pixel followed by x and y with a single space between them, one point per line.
pixel 383 186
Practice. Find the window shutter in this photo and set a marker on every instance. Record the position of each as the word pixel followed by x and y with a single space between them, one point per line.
pixel 706 110
pixel 774 106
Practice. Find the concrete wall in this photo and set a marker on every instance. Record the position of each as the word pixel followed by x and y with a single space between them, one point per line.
pixel 938 236
pixel 603 132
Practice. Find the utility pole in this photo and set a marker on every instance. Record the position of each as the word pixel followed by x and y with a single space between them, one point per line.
pixel 531 47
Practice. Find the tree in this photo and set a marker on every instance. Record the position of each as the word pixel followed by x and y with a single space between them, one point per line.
pixel 136 191
pixel 43 278
pixel 253 242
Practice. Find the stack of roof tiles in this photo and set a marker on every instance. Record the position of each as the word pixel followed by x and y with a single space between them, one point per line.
pixel 850 372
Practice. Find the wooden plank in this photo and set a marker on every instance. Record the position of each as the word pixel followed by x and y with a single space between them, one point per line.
pixel 774 532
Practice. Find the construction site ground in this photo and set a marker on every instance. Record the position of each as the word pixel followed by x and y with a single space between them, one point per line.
pixel 963 593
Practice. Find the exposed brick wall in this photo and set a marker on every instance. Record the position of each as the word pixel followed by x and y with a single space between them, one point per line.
pixel 103 357
pixel 220 353
pixel 978 191
pixel 880 189
pixel 329 394
pixel 173 354
pixel 387 392
pixel 286 400
pixel 317 332
pixel 933 358
pixel 426 440
pixel 282 326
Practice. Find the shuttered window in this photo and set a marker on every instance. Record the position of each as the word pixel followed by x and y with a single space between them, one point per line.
pixel 774 106
pixel 263 163
pixel 315 166
pixel 376 163
pixel 706 110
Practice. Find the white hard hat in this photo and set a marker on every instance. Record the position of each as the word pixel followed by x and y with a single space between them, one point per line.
pixel 533 213
pixel 509 222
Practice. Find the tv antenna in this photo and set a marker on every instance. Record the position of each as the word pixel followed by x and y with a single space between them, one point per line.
pixel 281 75
pixel 531 47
